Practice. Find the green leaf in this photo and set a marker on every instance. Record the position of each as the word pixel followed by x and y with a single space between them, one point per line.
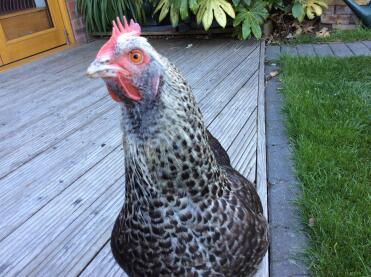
pixel 207 18
pixel 251 18
pixel 210 8
pixel 220 16
pixel 256 30
pixel 201 12
pixel 227 8
pixel 246 30
pixel 238 19
pixel 164 10
pixel 174 15
pixel 193 5
pixel 235 2
pixel 297 10
pixel 159 6
pixel 183 9
pixel 247 2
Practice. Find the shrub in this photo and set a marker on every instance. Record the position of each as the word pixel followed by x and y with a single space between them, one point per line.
pixel 247 15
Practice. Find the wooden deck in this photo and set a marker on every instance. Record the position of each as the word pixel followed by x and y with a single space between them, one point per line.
pixel 61 161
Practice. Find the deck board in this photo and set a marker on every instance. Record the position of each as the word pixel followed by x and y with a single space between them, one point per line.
pixel 61 165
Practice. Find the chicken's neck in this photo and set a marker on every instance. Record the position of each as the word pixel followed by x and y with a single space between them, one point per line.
pixel 167 154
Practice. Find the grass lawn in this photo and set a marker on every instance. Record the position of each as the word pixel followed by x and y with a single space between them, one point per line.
pixel 336 35
pixel 328 108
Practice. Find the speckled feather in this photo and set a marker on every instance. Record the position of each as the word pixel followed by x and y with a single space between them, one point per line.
pixel 187 212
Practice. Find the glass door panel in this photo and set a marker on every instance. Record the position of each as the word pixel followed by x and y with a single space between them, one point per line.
pixel 28 27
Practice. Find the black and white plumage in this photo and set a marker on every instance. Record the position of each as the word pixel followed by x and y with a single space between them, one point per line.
pixel 186 211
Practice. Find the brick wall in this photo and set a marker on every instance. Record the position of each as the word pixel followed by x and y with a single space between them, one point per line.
pixel 77 22
pixel 339 15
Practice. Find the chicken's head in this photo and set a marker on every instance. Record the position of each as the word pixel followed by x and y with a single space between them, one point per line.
pixel 128 64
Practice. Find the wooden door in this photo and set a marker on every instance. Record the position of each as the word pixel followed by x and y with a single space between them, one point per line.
pixel 31 27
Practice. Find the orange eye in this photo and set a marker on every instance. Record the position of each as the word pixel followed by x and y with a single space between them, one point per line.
pixel 136 56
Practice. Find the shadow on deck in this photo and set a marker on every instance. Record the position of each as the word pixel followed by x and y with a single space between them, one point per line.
pixel 61 165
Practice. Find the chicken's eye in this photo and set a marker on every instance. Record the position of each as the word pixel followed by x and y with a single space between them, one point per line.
pixel 136 56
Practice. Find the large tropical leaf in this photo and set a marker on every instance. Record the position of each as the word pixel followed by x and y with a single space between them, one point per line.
pixel 179 9
pixel 251 18
pixel 309 8
pixel 208 9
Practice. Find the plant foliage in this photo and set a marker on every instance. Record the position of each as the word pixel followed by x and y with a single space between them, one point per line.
pixel 208 9
pixel 249 18
pixel 178 9
pixel 100 13
pixel 308 8
pixel 248 15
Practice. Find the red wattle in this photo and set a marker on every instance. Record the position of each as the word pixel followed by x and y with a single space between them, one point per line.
pixel 130 91
pixel 113 95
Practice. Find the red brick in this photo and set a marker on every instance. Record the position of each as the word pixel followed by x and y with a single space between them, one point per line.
pixel 344 27
pixel 71 7
pixel 343 10
pixel 330 10
pixel 337 19
pixel 343 19
pixel 77 22
pixel 336 2
pixel 81 38
pixel 328 19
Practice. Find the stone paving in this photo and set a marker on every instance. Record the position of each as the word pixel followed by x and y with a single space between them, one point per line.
pixel 339 49
pixel 287 238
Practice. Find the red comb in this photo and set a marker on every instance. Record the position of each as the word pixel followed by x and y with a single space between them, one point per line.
pixel 118 29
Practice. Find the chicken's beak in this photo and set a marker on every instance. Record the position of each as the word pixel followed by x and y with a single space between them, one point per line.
pixel 102 69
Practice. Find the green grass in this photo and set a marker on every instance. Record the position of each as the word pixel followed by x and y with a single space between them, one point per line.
pixel 336 35
pixel 328 108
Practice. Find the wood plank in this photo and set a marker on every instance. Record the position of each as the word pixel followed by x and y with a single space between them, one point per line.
pixel 231 61
pixel 219 64
pixel 261 172
pixel 225 91
pixel 236 112
pixel 242 151
pixel 103 265
pixel 89 199
pixel 27 71
pixel 32 141
pixel 25 191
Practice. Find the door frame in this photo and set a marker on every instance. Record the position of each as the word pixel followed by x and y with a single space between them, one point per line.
pixel 64 16
pixel 66 21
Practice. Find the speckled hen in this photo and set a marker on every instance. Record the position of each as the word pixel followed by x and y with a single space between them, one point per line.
pixel 186 212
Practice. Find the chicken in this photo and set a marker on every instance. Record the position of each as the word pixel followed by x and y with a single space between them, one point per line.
pixel 186 212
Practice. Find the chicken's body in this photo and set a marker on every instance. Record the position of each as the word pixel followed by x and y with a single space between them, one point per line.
pixel 186 212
